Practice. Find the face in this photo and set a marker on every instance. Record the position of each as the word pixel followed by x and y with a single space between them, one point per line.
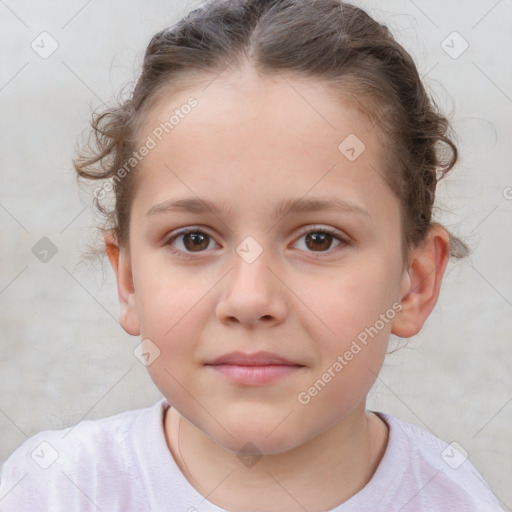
pixel 305 286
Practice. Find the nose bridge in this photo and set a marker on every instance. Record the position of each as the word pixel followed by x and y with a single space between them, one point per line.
pixel 251 266
pixel 252 290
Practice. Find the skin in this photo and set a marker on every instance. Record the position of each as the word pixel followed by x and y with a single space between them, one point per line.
pixel 250 143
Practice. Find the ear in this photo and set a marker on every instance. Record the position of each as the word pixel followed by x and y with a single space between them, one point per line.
pixel 421 282
pixel 120 260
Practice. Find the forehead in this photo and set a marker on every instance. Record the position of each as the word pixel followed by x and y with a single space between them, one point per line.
pixel 276 134
pixel 292 104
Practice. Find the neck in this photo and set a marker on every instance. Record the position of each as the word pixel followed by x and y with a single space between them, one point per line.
pixel 317 475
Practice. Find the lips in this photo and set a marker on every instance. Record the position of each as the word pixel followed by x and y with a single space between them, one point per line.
pixel 255 359
pixel 258 369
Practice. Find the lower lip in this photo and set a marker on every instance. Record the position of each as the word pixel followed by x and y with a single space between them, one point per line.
pixel 255 375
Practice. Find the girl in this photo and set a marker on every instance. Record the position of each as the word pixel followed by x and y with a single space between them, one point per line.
pixel 273 177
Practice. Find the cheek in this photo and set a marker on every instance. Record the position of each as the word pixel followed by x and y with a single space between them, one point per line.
pixel 351 326
pixel 350 300
pixel 347 363
pixel 173 316
pixel 166 299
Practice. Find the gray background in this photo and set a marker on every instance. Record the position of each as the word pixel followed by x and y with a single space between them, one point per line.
pixel 64 356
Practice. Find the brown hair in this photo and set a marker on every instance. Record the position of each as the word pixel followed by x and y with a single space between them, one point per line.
pixel 327 40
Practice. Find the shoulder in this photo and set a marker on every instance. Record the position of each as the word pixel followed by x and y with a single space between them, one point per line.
pixel 79 465
pixel 436 473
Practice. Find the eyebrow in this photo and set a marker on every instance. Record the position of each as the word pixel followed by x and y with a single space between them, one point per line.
pixel 287 206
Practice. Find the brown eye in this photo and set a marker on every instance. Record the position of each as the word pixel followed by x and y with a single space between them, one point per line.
pixel 321 240
pixel 190 241
pixel 195 241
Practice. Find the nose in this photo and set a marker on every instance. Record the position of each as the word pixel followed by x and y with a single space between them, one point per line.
pixel 252 295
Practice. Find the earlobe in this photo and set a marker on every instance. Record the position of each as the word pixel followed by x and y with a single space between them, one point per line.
pixel 120 260
pixel 421 282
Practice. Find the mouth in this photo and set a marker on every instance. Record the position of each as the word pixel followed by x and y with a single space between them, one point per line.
pixel 253 369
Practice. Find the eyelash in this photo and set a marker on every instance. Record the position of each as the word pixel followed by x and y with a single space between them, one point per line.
pixel 315 229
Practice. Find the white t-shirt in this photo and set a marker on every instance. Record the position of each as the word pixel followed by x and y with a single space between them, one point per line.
pixel 122 463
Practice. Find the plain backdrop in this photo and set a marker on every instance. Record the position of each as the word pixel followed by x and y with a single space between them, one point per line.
pixel 64 356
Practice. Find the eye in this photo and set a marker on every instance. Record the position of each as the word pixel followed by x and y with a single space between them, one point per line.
pixel 193 240
pixel 320 239
pixel 189 240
